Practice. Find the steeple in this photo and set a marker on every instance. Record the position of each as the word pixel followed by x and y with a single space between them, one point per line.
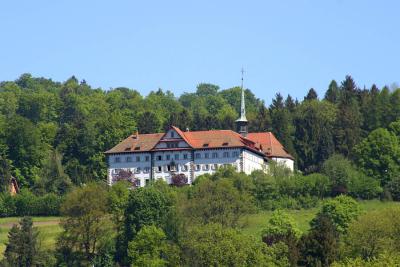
pixel 241 123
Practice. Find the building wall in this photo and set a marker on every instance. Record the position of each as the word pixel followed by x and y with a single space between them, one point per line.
pixel 138 163
pixel 252 162
pixel 288 163
pixel 198 162
pixel 205 160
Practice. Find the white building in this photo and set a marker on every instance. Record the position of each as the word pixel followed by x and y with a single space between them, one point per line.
pixel 146 157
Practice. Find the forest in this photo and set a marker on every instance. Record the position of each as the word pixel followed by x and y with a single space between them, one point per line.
pixel 346 144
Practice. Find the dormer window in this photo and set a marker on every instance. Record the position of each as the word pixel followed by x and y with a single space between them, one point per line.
pixel 137 148
pixel 225 144
pixel 205 145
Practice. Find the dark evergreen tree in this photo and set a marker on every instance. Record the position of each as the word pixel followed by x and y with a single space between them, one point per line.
pixel 333 93
pixel 311 95
pixel 22 249
pixel 281 123
pixel 290 104
pixel 349 120
pixel 320 246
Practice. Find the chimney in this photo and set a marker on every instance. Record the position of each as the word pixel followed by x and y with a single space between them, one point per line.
pixel 135 135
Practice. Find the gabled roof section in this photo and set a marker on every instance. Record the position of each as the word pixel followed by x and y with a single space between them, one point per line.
pixel 264 143
pixel 137 143
pixel 182 134
pixel 270 145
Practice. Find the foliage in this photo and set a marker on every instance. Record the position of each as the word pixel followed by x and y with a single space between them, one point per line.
pixel 28 204
pixel 217 202
pixel 320 246
pixel 341 210
pixel 150 205
pixel 379 155
pixel 150 248
pixel 86 224
pixel 282 229
pixel 23 247
pixel 215 245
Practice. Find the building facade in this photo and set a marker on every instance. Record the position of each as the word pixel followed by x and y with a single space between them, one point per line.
pixel 142 158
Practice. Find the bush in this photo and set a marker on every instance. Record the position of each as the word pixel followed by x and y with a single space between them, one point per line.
pixel 28 204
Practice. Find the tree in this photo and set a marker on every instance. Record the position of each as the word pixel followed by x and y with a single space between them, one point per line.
pixel 149 122
pixel 320 246
pixel 23 248
pixel 217 202
pixel 85 224
pixel 53 178
pixel 311 95
pixel 202 247
pixel 349 120
pixel 281 228
pixel 332 94
pixel 146 206
pixel 341 210
pixel 369 236
pixel 314 142
pixel 150 248
pixel 379 155
pixel 281 123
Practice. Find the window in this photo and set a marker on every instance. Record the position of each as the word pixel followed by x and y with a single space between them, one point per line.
pixel 184 168
pixel 159 169
pixel 172 145
pixel 197 167
pixel 215 155
pixel 146 158
pixel 206 155
pixel 159 158
pixel 138 158
pixel 185 156
pixel 206 167
pixel 176 156
pixel 172 168
pixel 214 166
pixel 198 156
pixel 235 154
pixel 205 145
pixel 172 134
pixel 117 159
pixel 147 181
pixel 128 159
pixel 146 169
pixel 137 170
pixel 138 183
pixel 168 157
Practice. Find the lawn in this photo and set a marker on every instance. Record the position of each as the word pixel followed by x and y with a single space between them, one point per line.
pixel 47 226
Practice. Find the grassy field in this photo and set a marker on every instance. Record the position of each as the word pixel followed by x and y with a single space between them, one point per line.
pixel 254 224
pixel 48 227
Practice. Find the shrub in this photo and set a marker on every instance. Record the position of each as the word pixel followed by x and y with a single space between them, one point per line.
pixel 341 210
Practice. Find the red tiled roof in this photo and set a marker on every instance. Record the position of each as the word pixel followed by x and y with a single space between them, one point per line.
pixel 263 143
pixel 137 143
pixel 270 145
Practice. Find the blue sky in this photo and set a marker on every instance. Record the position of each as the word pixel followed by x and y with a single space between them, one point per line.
pixel 284 46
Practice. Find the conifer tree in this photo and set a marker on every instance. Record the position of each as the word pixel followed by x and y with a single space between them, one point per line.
pixel 332 94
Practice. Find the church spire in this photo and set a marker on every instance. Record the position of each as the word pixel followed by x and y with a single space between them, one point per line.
pixel 241 123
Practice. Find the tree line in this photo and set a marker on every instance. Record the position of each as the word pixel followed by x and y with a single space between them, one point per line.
pixel 53 134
